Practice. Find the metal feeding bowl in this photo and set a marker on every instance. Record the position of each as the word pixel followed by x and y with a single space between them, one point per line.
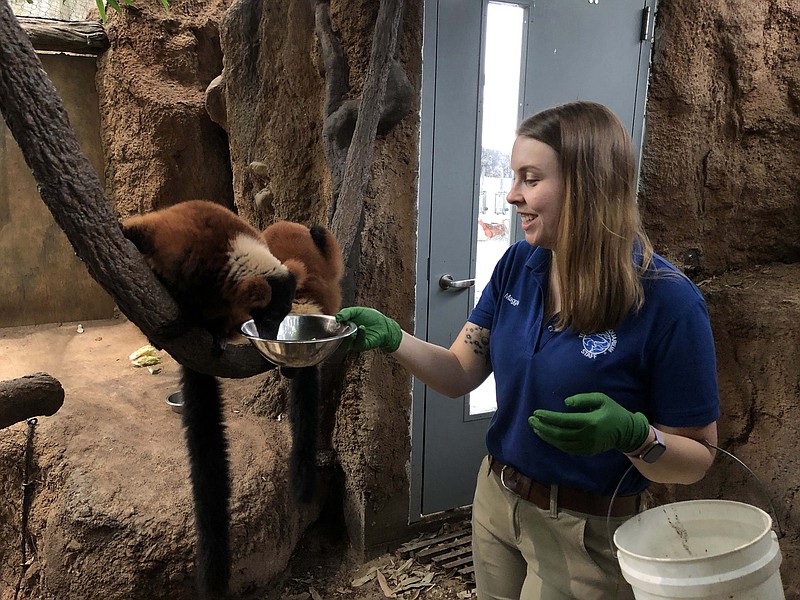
pixel 175 401
pixel 302 340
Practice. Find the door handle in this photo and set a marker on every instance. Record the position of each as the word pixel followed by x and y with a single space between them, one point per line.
pixel 446 282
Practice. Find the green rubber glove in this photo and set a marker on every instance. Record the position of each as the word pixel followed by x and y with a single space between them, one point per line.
pixel 375 330
pixel 601 425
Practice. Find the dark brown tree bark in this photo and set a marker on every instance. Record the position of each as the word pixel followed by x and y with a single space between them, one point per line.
pixel 30 396
pixel 70 188
pixel 352 125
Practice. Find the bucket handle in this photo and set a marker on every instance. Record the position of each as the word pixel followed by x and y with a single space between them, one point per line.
pixel 761 487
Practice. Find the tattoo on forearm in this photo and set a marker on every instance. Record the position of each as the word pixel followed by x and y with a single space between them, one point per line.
pixel 478 339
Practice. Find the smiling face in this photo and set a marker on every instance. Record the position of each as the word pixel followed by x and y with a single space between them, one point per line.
pixel 537 191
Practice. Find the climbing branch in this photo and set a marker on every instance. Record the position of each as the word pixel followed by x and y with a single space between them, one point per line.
pixel 81 37
pixel 73 193
pixel 346 221
pixel 351 127
pixel 30 396
pixel 333 58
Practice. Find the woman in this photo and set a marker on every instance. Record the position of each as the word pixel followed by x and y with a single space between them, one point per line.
pixel 603 360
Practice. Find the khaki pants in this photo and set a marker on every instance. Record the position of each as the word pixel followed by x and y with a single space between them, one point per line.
pixel 520 552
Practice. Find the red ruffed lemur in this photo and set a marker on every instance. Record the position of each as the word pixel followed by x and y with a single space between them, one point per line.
pixel 222 272
pixel 320 268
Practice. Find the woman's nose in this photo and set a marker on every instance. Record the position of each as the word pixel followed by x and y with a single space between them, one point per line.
pixel 513 194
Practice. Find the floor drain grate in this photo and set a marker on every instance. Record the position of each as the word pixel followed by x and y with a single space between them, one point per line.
pixel 450 551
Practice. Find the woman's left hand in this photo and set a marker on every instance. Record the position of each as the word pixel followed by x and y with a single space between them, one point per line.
pixel 601 425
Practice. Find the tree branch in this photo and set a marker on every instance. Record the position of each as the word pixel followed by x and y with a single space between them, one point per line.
pixel 80 37
pixel 346 220
pixel 333 58
pixel 70 188
pixel 30 396
pixel 339 113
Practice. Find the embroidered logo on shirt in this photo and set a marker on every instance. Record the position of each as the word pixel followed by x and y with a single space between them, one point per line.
pixel 598 343
pixel 511 300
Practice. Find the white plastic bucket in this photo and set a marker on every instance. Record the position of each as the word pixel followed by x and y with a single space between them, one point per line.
pixel 710 549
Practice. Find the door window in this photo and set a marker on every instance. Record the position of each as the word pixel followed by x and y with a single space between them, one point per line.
pixel 502 69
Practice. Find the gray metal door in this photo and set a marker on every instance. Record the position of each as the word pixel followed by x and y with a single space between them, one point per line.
pixel 565 50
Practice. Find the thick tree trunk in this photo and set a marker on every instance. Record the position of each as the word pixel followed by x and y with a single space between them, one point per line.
pixel 72 191
pixel 30 396
pixel 348 202
pixel 346 220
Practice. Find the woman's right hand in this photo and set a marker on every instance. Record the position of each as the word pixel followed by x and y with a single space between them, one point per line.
pixel 375 330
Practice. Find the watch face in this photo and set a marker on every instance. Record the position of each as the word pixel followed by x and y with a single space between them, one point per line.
pixel 654 452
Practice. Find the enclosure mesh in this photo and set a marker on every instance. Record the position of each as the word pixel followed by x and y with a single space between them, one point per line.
pixel 65 10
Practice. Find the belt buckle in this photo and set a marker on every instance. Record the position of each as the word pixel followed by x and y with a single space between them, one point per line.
pixel 503 480
pixel 554 501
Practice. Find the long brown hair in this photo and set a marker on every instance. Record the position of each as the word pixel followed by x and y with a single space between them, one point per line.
pixel 600 226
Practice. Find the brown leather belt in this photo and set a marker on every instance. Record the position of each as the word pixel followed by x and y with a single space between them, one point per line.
pixel 548 498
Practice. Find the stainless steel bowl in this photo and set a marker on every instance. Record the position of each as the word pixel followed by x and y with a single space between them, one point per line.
pixel 175 401
pixel 302 340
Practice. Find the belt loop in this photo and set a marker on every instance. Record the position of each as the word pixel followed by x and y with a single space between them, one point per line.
pixel 554 501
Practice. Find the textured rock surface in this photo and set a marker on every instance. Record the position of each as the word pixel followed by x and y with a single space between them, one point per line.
pixel 721 174
pixel 112 510
pixel 720 164
pixel 275 94
pixel 161 146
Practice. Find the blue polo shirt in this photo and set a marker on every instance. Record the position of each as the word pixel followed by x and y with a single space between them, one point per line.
pixel 659 361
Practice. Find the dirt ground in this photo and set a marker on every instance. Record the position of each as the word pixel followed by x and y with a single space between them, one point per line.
pixel 91 360
pixel 114 413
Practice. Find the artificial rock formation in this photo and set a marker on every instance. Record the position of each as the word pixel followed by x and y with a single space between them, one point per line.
pixel 722 148
pixel 720 195
pixel 161 146
pixel 718 191
pixel 149 114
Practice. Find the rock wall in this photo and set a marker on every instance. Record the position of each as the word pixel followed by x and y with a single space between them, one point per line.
pixel 722 149
pixel 721 169
pixel 720 192
pixel 43 280
pixel 161 146
pixel 274 97
pixel 273 92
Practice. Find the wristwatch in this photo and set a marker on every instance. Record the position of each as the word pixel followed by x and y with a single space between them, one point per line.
pixel 653 451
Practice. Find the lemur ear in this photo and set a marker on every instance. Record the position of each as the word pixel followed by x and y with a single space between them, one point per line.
pixel 320 236
pixel 298 269
pixel 140 234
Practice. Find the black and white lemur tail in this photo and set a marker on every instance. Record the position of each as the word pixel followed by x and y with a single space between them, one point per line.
pixel 211 488
pixel 318 292
pixel 305 398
